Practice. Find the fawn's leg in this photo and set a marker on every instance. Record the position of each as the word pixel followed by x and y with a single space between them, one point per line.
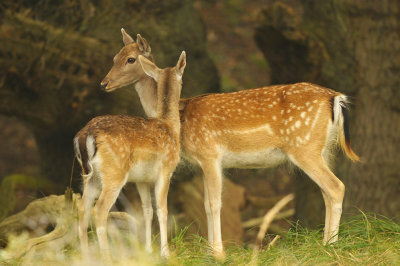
pixel 145 196
pixel 90 192
pixel 161 192
pixel 103 205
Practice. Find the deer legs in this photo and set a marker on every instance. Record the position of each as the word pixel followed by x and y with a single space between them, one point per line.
pixel 103 205
pixel 145 196
pixel 213 185
pixel 161 192
pixel 332 190
pixel 314 166
pixel 90 192
pixel 210 219
pixel 328 216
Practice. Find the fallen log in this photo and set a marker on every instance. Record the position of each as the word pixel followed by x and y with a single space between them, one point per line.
pixel 59 211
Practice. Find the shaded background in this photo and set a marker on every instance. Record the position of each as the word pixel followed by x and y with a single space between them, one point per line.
pixel 53 55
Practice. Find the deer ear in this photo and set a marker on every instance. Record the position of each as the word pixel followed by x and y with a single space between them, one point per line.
pixel 143 45
pixel 149 67
pixel 180 66
pixel 126 38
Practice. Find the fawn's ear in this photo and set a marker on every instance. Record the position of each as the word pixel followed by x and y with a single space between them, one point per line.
pixel 180 66
pixel 126 38
pixel 143 45
pixel 149 67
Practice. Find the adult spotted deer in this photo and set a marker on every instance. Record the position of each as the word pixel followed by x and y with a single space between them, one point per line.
pixel 257 128
pixel 113 150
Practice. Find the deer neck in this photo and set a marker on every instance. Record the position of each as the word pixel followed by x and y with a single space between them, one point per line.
pixel 147 91
pixel 168 91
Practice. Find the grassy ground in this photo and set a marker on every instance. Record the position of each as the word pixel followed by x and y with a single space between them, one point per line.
pixel 365 240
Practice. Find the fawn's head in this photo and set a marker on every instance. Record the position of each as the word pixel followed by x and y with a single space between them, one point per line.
pixel 166 76
pixel 126 69
pixel 169 82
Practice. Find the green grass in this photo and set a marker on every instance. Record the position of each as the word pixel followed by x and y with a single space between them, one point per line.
pixel 365 240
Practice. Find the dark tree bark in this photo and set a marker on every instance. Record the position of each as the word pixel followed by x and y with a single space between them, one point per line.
pixel 352 47
pixel 53 56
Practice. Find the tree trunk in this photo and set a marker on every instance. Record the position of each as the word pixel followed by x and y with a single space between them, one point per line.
pixel 54 147
pixel 352 47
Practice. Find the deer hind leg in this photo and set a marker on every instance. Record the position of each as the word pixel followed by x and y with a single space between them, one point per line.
pixel 90 192
pixel 145 196
pixel 332 190
pixel 103 205
pixel 161 193
pixel 328 215
pixel 213 181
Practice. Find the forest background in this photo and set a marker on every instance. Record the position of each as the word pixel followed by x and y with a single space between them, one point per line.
pixel 53 55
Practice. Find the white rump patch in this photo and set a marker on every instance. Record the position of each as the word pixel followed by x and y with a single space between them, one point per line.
pixel 90 146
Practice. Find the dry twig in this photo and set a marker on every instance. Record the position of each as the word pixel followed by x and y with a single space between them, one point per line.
pixel 269 217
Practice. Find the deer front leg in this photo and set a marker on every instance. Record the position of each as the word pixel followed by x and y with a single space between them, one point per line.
pixel 213 178
pixel 210 223
pixel 161 192
pixel 144 192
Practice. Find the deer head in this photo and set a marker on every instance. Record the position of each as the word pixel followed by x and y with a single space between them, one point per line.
pixel 169 85
pixel 127 69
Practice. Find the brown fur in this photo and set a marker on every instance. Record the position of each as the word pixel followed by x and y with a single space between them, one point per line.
pixel 286 119
pixel 222 119
pixel 119 75
pixel 145 151
pixel 125 134
pixel 262 128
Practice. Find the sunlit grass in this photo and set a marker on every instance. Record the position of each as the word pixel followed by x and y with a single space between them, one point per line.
pixel 365 239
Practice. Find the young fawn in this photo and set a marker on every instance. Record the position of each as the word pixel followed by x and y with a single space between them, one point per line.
pixel 257 128
pixel 113 150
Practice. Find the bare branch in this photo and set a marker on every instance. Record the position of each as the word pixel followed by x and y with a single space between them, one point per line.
pixel 269 217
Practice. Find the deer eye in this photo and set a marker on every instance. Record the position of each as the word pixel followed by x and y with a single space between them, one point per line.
pixel 131 60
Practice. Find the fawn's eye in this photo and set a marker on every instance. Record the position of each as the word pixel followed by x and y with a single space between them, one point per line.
pixel 131 60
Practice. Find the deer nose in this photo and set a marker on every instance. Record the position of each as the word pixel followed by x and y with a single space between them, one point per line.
pixel 104 84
